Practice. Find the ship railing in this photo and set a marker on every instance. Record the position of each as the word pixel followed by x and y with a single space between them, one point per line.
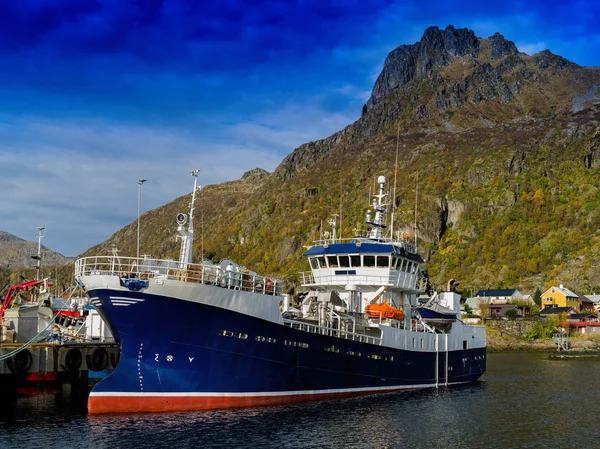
pixel 308 278
pixel 362 237
pixel 332 332
pixel 412 324
pixel 358 238
pixel 376 318
pixel 131 268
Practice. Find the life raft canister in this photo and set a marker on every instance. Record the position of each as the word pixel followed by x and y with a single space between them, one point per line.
pixel 384 310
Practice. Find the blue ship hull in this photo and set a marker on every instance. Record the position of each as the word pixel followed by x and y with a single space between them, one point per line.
pixel 184 355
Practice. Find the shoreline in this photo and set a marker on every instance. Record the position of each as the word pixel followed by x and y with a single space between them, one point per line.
pixel 498 343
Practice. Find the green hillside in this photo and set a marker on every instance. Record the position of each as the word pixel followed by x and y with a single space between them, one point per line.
pixel 503 148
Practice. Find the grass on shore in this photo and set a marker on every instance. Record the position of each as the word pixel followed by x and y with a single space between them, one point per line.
pixel 501 342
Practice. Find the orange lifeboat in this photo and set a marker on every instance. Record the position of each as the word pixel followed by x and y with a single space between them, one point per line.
pixel 384 310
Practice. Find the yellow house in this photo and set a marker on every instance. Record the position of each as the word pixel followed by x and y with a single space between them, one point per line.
pixel 561 297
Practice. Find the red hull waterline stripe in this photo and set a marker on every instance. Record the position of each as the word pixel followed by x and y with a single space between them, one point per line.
pixel 117 402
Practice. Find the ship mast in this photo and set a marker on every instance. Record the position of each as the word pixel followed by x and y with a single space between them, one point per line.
pixel 377 224
pixel 40 235
pixel 187 234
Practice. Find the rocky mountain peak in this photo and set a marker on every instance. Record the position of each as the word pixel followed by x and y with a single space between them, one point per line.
pixel 502 47
pixel 255 173
pixel 437 48
pixel 16 253
pixel 546 59
pixel 6 237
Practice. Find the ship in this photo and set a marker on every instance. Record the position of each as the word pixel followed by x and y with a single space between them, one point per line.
pixel 197 336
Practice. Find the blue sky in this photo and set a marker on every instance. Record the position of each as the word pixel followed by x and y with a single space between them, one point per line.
pixel 95 94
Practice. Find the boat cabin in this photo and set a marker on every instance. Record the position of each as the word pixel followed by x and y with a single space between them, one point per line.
pixel 361 262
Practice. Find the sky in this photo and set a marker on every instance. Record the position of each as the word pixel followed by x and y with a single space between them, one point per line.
pixel 96 94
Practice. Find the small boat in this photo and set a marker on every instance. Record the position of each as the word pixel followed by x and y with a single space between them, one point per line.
pixel 434 311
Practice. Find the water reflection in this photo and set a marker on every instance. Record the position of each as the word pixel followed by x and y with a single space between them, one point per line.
pixel 518 402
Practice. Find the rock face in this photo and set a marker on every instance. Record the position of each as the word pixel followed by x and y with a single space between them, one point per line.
pixel 16 253
pixel 6 237
pixel 504 148
pixel 545 60
pixel 436 48
pixel 254 174
pixel 309 153
pixel 449 70
pixel 502 47
pixel 486 83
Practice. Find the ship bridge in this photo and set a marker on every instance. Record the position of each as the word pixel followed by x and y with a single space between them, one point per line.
pixel 364 262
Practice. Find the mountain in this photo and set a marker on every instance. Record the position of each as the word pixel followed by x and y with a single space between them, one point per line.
pixel 503 149
pixel 16 253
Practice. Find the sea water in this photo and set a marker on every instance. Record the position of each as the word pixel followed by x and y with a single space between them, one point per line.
pixel 523 401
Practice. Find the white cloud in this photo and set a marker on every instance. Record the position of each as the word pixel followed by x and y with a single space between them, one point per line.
pixel 354 92
pixel 78 177
pixel 531 48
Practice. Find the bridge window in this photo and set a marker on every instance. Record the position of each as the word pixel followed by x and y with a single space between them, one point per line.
pixel 355 260
pixel 402 265
pixel 322 262
pixel 313 263
pixel 344 261
pixel 383 261
pixel 333 262
pixel 369 261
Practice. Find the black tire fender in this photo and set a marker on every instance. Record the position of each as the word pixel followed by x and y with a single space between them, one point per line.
pixel 71 360
pixel 20 362
pixel 97 359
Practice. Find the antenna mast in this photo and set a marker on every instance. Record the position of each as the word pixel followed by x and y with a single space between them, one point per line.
pixel 376 224
pixel 333 224
pixel 40 235
pixel 202 229
pixel 187 235
pixel 321 230
pixel 395 176
pixel 341 200
pixel 416 200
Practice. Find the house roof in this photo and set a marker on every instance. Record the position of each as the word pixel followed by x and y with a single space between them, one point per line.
pixel 550 310
pixel 567 293
pixel 581 316
pixel 593 298
pixel 507 306
pixel 507 292
pixel 583 298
